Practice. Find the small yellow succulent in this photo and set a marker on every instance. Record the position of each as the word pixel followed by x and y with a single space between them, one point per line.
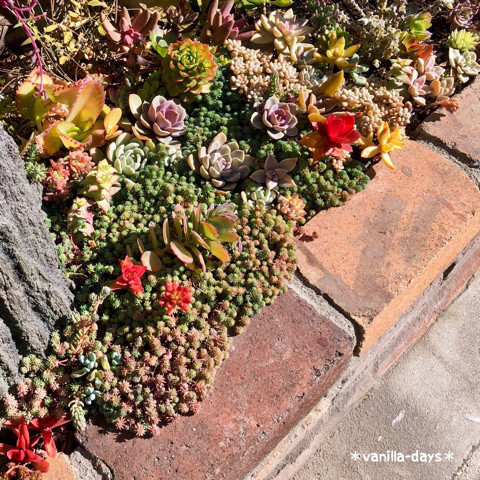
pixel 336 54
pixel 387 142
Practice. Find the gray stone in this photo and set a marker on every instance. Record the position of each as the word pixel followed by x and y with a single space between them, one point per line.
pixel 34 294
pixel 87 467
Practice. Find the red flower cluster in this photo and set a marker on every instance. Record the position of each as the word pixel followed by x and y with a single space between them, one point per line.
pixel 338 133
pixel 176 296
pixel 23 451
pixel 130 277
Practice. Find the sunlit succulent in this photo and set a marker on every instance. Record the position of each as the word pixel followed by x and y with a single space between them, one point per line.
pixel 129 154
pixel 282 30
pixel 188 68
pixel 335 54
pixel 442 91
pixel 223 164
pixel 275 174
pixel 429 68
pixel 79 218
pixel 221 25
pixel 259 194
pixel 463 40
pixel 162 118
pixel 101 184
pixel 279 118
pixel 292 207
pixel 463 65
pixel 131 34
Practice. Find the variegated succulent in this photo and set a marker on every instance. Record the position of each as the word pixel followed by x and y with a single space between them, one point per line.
pixel 192 238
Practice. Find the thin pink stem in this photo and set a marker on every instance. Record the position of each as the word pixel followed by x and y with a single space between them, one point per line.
pixel 18 12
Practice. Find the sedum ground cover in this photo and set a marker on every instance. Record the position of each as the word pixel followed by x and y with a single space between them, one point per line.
pixel 180 149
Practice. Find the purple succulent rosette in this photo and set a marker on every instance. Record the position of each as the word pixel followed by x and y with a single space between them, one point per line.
pixel 165 118
pixel 275 174
pixel 279 118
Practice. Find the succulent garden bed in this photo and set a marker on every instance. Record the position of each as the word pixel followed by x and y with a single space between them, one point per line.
pixel 180 150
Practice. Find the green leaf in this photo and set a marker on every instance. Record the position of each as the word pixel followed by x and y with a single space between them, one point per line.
pixel 219 251
pixel 181 253
pixel 208 230
pixel 227 236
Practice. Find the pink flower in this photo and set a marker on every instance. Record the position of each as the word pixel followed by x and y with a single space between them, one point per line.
pixel 130 277
pixel 175 296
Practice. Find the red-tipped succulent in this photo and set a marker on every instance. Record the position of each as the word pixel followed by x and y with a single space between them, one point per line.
pixel 176 296
pixel 131 34
pixel 130 277
pixel 221 25
pixel 22 452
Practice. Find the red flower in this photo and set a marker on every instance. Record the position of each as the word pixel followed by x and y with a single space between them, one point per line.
pixel 338 133
pixel 45 425
pixel 22 452
pixel 130 277
pixel 176 296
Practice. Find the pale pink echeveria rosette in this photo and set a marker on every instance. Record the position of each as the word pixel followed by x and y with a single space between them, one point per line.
pixel 279 118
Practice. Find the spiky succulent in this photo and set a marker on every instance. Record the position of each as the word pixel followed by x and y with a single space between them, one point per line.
pixel 188 68
pixel 221 25
pixel 190 236
pixel 223 163
pixel 129 154
pixel 292 207
pixel 162 118
pixel 463 40
pixel 131 34
pixel 283 31
pixel 463 65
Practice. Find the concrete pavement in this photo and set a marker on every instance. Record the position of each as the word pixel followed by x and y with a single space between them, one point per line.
pixel 426 409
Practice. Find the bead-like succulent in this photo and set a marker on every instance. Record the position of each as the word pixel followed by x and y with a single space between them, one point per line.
pixel 162 118
pixel 188 68
pixel 129 154
pixel 131 34
pixel 279 118
pixel 275 174
pixel 221 25
pixel 282 30
pixel 292 207
pixel 335 54
pixel 223 163
pixel 463 65
pixel 192 235
pixel 463 40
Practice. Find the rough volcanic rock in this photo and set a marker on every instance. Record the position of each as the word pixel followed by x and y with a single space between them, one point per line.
pixel 34 294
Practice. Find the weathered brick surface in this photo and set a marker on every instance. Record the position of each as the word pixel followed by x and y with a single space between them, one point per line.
pixel 459 131
pixel 60 469
pixel 377 254
pixel 278 370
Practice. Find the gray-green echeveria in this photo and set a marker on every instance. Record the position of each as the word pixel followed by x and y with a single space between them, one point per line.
pixel 222 163
pixel 129 154
pixel 275 173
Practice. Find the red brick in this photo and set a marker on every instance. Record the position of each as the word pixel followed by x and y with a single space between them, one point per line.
pixel 458 132
pixel 278 370
pixel 375 255
pixel 60 469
